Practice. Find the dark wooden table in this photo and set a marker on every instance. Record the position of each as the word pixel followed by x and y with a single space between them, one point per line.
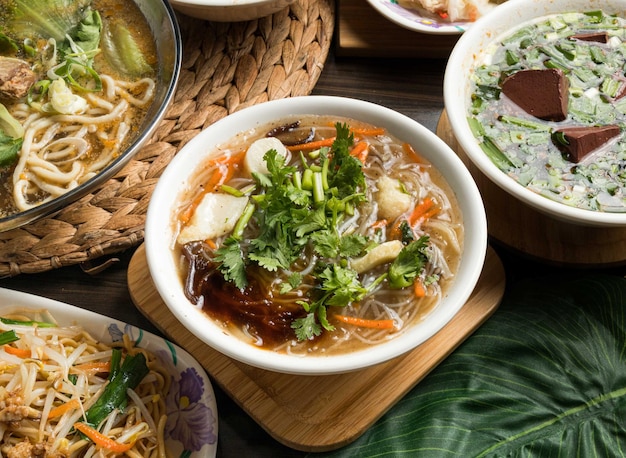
pixel 410 86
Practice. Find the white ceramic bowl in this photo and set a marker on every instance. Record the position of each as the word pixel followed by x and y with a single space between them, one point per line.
pixel 160 235
pixel 457 89
pixel 229 10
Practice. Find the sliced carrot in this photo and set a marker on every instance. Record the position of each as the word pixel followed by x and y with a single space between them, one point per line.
pixel 226 159
pixel 379 224
pixel 93 368
pixel 420 211
pixel 103 441
pixel 418 288
pixel 60 410
pixel 368 131
pixel 360 151
pixel 413 155
pixel 316 144
pixel 394 232
pixel 211 243
pixel 365 323
pixel 19 352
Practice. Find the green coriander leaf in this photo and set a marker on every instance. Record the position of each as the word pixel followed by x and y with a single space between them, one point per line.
pixel 323 319
pixel 232 264
pixel 306 328
pixel 325 243
pixel 352 245
pixel 407 234
pixel 409 263
pixel 341 285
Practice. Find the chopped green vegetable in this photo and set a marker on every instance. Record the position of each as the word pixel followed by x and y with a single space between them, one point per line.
pixel 8 337
pixel 40 324
pixel 409 263
pixel 131 372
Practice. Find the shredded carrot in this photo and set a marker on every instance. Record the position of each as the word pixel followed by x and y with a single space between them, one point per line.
pixel 372 131
pixel 421 211
pixel 418 288
pixel 380 223
pixel 93 368
pixel 226 159
pixel 410 151
pixel 60 410
pixel 394 231
pixel 211 243
pixel 221 175
pixel 310 146
pixel 360 151
pixel 19 352
pixel 364 323
pixel 102 440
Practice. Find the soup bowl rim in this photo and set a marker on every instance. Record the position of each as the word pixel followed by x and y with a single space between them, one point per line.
pixel 159 235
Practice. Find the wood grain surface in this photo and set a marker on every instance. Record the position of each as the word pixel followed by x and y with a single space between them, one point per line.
pixel 537 234
pixel 320 413
pixel 363 31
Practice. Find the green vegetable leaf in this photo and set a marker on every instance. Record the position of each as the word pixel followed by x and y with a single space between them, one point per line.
pixel 123 52
pixel 307 327
pixel 130 374
pixel 8 337
pixel 9 150
pixel 232 264
pixel 343 284
pixel 43 18
pixel 545 376
pixel 409 263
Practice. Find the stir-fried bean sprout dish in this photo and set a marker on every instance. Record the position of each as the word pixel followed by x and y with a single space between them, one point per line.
pixel 317 235
pixel 65 394
pixel 76 79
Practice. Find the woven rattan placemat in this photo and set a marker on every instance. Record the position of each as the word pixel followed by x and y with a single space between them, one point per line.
pixel 226 67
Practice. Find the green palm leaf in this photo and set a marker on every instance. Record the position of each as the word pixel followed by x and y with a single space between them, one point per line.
pixel 544 377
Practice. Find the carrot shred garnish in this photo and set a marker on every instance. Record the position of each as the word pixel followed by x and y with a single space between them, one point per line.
pixel 360 151
pixel 93 368
pixel 60 410
pixel 226 159
pixel 418 288
pixel 410 151
pixel 372 131
pixel 365 323
pixel 421 211
pixel 380 223
pixel 19 352
pixel 394 232
pixel 211 243
pixel 310 146
pixel 103 441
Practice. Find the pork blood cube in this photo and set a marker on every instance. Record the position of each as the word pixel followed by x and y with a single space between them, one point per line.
pixel 541 93
pixel 577 142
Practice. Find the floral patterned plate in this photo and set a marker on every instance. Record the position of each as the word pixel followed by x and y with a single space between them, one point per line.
pixel 417 20
pixel 191 429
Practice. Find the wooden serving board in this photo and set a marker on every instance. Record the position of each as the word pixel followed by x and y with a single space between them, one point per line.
pixel 320 413
pixel 536 234
pixel 363 31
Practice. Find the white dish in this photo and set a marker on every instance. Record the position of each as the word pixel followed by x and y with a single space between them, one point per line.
pixel 189 380
pixel 416 20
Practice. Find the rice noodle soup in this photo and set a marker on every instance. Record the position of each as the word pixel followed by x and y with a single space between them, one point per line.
pixel 573 153
pixel 75 85
pixel 317 235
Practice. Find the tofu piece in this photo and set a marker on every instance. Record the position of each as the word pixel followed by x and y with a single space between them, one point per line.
pixel 392 201
pixel 215 216
pixel 381 254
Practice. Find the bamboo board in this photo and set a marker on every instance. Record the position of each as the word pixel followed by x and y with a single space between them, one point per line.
pixel 536 234
pixel 363 31
pixel 320 413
